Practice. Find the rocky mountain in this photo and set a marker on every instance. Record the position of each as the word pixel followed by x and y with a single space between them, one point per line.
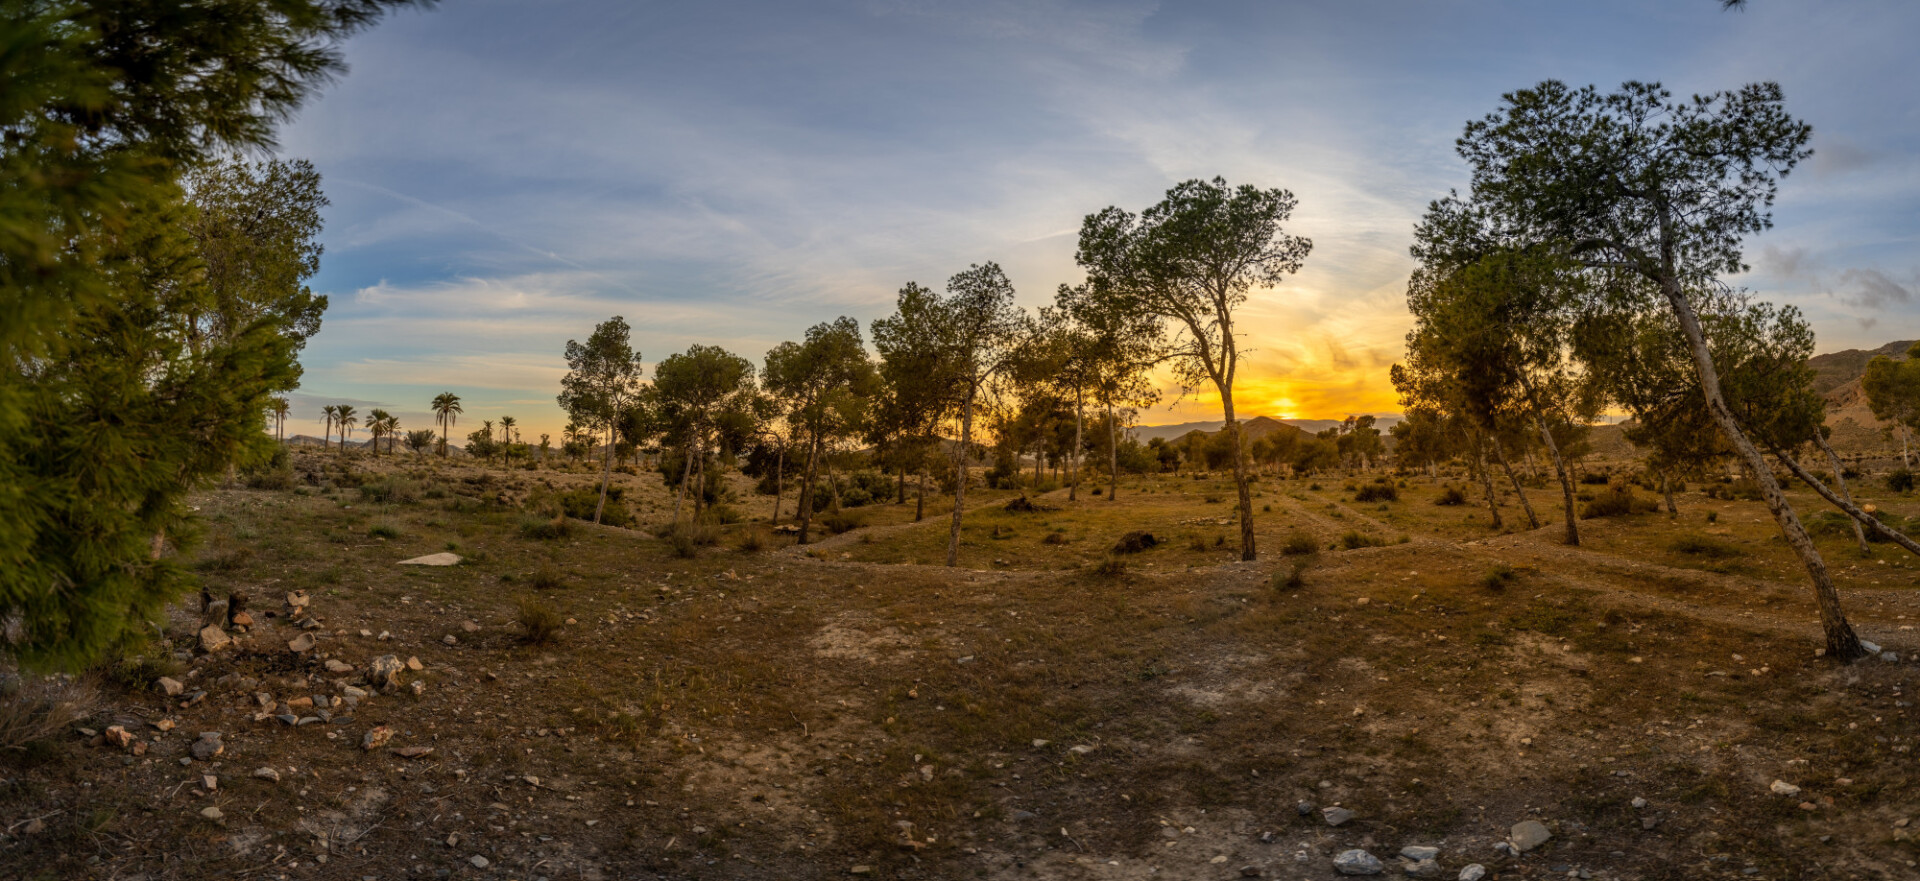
pixel 1257 427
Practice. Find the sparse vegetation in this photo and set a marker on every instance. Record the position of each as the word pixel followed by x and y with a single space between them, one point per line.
pixel 539 623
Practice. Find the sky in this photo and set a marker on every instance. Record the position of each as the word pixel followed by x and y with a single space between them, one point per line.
pixel 505 175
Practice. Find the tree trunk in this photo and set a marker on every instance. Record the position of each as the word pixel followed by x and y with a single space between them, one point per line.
pixel 900 491
pixel 1566 480
pixel 806 486
pixel 1666 489
pixel 1247 549
pixel 1840 478
pixel 1842 643
pixel 1113 455
pixel 833 481
pixel 686 476
pixel 1486 480
pixel 920 498
pixel 1905 460
pixel 960 481
pixel 1073 458
pixel 1500 455
pixel 779 478
pixel 1852 510
pixel 606 477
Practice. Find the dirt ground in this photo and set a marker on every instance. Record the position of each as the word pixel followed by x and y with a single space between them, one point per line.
pixel 850 709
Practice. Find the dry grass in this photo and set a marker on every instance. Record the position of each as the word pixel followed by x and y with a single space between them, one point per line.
pixel 35 709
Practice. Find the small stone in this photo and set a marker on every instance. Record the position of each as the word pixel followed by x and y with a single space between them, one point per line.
pixel 1473 872
pixel 1529 834
pixel 1648 823
pixel 338 666
pixel 860 870
pixel 298 599
pixel 213 638
pixel 1417 853
pixel 477 861
pixel 1249 871
pixel 450 639
pixel 302 643
pixel 353 693
pixel 376 737
pixel 1871 648
pixel 1357 862
pixel 415 665
pixel 139 748
pixel 300 703
pixel 170 686
pixel 1336 816
pixel 1639 802
pixel 384 671
pixel 288 718
pixel 470 626
pixel 118 736
pixel 213 813
pixel 1038 743
pixel 35 826
pixel 264 700
pixel 193 698
pixel 418 686
pixel 413 752
pixel 433 560
pixel 1782 787
pixel 1081 750
pixel 207 746
pixel 1421 868
pixel 266 774
pixel 209 782
pixel 242 619
pixel 1304 808
pixel 163 724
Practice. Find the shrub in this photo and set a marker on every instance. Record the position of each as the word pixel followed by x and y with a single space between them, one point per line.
pixel 1313 487
pixel 545 529
pixel 1498 577
pixel 1355 539
pixel 1594 478
pixel 384 530
pixel 1451 495
pixel 845 521
pixel 1299 543
pixel 1098 490
pixel 1703 546
pixel 539 623
pixel 1617 500
pixel 1293 579
pixel 1377 492
pixel 547 577
pixel 579 504
pixel 1211 500
pixel 1109 567
pixel 687 537
pixel 1134 542
pixel 396 490
pixel 33 709
pixel 751 542
pixel 1055 538
pixel 1900 480
pixel 1196 543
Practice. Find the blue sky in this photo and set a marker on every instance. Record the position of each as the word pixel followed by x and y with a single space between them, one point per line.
pixel 505 175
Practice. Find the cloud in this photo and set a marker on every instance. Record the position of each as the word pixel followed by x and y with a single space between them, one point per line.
pixel 1873 289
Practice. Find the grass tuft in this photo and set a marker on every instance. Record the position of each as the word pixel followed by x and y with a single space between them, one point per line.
pixel 539 623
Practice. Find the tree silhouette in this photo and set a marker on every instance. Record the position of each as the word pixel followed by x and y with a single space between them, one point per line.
pixel 344 417
pixel 821 386
pixel 601 385
pixel 446 409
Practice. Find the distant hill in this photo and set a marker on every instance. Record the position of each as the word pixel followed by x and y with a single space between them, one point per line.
pixel 1257 427
pixel 1836 369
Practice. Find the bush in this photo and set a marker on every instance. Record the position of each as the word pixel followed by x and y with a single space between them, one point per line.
pixel 1293 579
pixel 33 709
pixel 688 537
pixel 539 623
pixel 1377 492
pixel 751 542
pixel 1134 542
pixel 1355 540
pixel 384 530
pixel 1617 500
pixel 1594 478
pixel 276 473
pixel 1197 543
pixel 1299 543
pixel 397 490
pixel 1109 567
pixel 842 522
pixel 544 529
pixel 547 577
pixel 1449 496
pixel 579 504
pixel 1498 577
pixel 1703 546
pixel 1054 538
pixel 1900 480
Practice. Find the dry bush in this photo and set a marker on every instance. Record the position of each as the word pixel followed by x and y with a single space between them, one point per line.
pixel 34 709
pixel 1377 492
pixel 751 542
pixel 546 529
pixel 1299 543
pixel 539 623
pixel 1450 496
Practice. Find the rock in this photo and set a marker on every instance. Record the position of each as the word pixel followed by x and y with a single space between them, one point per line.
pixel 352 693
pixel 139 748
pixel 213 813
pixel 1782 787
pixel 213 638
pixel 1890 657
pixel 450 639
pixel 1081 750
pixel 433 560
pixel 1639 802
pixel 338 666
pixel 376 737
pixel 419 686
pixel 242 619
pixel 860 870
pixel 1336 816
pixel 266 774
pixel 207 746
pixel 163 724
pixel 1420 868
pixel 1473 872
pixel 300 703
pixel 1417 853
pixel 1304 808
pixel 118 736
pixel 209 782
pixel 288 719
pixel 1357 862
pixel 35 826
pixel 170 686
pixel 1870 647
pixel 1134 542
pixel 1249 871
pixel 302 643
pixel 298 599
pixel 470 626
pixel 413 752
pixel 193 698
pixel 477 861
pixel 264 700
pixel 384 671
pixel 1529 834
pixel 1039 743
pixel 415 665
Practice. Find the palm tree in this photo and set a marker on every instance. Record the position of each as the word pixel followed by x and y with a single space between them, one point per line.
pixel 446 406
pixel 278 408
pixel 326 435
pixel 343 415
pixel 421 439
pixel 506 437
pixel 377 426
pixel 392 430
